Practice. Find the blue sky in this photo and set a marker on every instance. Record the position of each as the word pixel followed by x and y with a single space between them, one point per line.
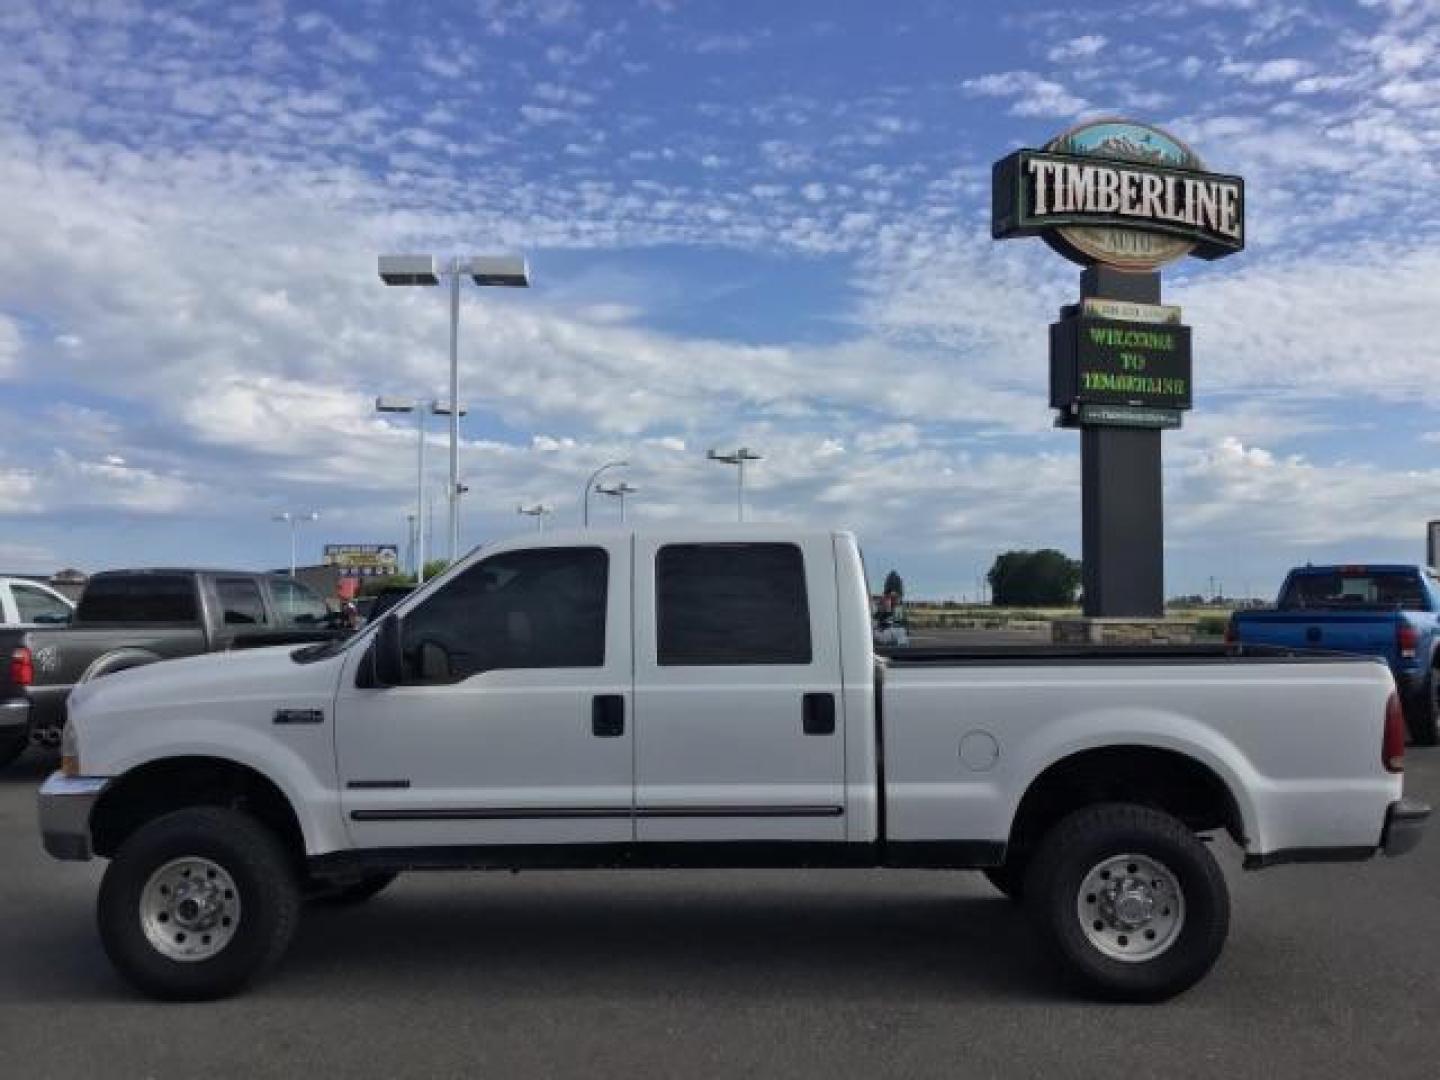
pixel 747 222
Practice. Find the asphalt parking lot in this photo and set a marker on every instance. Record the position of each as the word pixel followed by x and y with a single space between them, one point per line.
pixel 1331 971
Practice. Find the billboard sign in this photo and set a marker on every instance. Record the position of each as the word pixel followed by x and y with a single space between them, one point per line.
pixel 364 560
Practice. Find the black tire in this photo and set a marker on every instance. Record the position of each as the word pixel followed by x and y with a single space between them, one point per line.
pixel 263 878
pixel 1083 841
pixel 13 747
pixel 1008 879
pixel 1423 715
pixel 351 892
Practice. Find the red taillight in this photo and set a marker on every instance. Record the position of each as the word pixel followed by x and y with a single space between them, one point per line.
pixel 1407 640
pixel 22 668
pixel 1230 636
pixel 1392 746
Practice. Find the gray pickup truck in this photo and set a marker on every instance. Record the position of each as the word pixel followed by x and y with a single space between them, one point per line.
pixel 127 618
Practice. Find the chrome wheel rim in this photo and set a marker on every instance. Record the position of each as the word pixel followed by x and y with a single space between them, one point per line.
pixel 1131 907
pixel 190 909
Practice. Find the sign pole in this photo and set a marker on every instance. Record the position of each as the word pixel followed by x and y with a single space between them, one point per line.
pixel 1121 500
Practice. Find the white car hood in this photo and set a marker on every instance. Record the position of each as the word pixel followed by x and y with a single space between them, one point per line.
pixel 222 676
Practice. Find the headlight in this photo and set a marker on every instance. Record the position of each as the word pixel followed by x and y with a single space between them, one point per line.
pixel 69 750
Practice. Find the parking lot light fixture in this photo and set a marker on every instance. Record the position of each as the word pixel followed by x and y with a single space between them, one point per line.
pixel 509 271
pixel 539 511
pixel 618 491
pixel 737 457
pixel 590 484
pixel 294 520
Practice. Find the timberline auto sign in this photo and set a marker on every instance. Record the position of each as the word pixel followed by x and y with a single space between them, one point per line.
pixel 1119 192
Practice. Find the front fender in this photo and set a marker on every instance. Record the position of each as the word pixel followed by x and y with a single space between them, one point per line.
pixel 310 792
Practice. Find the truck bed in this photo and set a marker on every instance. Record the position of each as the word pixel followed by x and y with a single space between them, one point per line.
pixel 1108 654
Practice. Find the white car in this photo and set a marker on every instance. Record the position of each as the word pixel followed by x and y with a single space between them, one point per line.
pixel 28 603
pixel 710 697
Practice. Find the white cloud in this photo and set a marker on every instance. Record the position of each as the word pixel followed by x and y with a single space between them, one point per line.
pixel 1033 95
pixel 1081 48
pixel 1268 72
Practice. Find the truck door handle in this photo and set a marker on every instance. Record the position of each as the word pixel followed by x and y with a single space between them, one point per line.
pixel 818 714
pixel 607 716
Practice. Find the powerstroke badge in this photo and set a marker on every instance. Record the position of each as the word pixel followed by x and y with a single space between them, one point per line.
pixel 1118 192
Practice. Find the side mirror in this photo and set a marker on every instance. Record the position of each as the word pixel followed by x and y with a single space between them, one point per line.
pixel 388 661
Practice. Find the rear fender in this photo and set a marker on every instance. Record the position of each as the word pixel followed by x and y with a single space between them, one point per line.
pixel 1104 729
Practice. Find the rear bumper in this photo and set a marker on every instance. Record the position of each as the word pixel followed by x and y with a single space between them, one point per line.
pixel 1404 826
pixel 1405 821
pixel 65 803
pixel 14 717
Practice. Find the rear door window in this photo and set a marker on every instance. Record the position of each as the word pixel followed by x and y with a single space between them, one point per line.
pixel 731 604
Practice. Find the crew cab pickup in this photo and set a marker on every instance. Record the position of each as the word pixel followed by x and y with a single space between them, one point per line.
pixel 709 697
pixel 127 618
pixel 1386 611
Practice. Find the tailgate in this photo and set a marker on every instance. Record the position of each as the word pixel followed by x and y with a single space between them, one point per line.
pixel 1367 633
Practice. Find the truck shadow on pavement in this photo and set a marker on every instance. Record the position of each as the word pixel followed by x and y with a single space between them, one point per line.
pixel 640 935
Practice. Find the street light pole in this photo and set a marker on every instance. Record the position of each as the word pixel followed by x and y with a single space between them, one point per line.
pixel 738 458
pixel 454 408
pixel 590 483
pixel 502 270
pixel 294 521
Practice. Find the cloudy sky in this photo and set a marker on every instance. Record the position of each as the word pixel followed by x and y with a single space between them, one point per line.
pixel 747 222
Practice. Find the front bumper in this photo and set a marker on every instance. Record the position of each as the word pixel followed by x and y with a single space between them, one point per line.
pixel 65 803
pixel 1404 825
pixel 14 717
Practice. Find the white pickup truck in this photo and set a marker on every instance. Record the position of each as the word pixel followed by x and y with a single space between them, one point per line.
pixel 709 697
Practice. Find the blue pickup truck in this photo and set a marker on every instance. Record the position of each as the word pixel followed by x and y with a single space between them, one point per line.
pixel 1377 610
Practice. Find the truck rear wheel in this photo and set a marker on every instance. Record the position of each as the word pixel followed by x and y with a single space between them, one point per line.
pixel 197 903
pixel 1130 901
pixel 1423 716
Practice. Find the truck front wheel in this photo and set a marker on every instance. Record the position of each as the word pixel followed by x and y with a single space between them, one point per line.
pixel 12 747
pixel 196 903
pixel 1130 901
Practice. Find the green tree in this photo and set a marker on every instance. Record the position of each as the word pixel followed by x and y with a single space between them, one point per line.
pixel 374 586
pixel 894 586
pixel 1034 578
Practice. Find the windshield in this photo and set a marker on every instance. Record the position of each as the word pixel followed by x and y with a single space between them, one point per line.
pixel 1378 589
